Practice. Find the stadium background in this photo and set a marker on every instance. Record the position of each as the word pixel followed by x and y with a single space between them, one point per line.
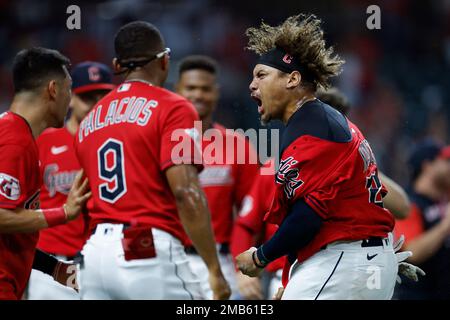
pixel 396 78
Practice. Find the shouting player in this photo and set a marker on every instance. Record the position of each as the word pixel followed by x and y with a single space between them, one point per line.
pixel 144 192
pixel 42 94
pixel 59 166
pixel 249 224
pixel 328 197
pixel 225 183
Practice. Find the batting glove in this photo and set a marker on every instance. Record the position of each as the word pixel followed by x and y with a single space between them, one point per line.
pixel 404 268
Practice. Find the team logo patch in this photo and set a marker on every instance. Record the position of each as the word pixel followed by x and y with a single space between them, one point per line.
pixel 287 58
pixel 9 187
pixel 94 74
pixel 288 177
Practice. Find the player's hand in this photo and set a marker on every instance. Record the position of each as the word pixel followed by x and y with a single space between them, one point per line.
pixel 66 274
pixel 219 286
pixel 279 294
pixel 78 196
pixel 404 268
pixel 245 263
pixel 249 288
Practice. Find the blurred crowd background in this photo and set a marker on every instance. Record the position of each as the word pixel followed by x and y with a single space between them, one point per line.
pixel 396 78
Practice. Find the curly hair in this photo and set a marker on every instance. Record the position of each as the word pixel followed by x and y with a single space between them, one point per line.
pixel 302 37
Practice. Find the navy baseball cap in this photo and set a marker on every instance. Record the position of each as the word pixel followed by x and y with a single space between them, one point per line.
pixel 89 76
pixel 427 150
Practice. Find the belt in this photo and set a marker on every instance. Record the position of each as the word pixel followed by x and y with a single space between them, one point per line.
pixel 125 227
pixel 371 242
pixel 224 248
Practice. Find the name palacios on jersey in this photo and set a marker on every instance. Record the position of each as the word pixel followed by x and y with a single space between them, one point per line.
pixel 133 110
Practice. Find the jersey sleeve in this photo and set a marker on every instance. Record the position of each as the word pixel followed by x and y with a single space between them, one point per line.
pixel 13 176
pixel 180 139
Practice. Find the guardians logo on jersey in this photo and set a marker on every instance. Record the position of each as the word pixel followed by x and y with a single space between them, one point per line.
pixel 288 177
pixel 56 181
pixel 9 186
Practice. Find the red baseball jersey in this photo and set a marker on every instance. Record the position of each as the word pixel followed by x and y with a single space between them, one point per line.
pixel 327 161
pixel 249 228
pixel 59 166
pixel 125 144
pixel 227 176
pixel 19 188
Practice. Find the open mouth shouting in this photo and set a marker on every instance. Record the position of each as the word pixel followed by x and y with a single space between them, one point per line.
pixel 259 103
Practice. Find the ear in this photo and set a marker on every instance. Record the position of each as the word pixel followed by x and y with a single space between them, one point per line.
pixel 116 65
pixel 52 89
pixel 165 62
pixel 294 80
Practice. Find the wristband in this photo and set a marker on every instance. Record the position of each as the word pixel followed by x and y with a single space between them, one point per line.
pixel 55 216
pixel 262 266
pixel 261 257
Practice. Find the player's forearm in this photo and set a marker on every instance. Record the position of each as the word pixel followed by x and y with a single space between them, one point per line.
pixel 298 229
pixel 195 217
pixel 426 245
pixel 396 201
pixel 21 221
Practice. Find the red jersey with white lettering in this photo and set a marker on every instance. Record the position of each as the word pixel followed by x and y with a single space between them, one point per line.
pixel 19 188
pixel 249 228
pixel 326 160
pixel 125 144
pixel 59 166
pixel 229 170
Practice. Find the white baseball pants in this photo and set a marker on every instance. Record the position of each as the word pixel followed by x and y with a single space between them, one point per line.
pixel 105 274
pixel 345 270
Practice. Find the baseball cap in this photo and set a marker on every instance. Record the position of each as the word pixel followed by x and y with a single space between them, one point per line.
pixel 427 150
pixel 89 76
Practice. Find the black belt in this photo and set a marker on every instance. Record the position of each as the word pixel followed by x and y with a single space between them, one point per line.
pixel 371 242
pixel 224 248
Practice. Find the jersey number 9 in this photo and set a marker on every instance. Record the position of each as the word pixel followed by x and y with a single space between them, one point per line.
pixel 111 164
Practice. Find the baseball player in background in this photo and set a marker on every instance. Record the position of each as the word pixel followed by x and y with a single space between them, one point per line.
pixel 42 94
pixel 328 198
pixel 225 183
pixel 250 230
pixel 146 198
pixel 59 166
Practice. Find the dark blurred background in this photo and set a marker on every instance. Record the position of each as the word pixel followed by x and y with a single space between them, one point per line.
pixel 396 78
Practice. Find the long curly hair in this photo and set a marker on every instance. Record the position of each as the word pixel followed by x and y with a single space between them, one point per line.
pixel 302 37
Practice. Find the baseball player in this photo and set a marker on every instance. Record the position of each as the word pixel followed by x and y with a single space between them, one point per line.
pixel 42 94
pixel 427 228
pixel 146 196
pixel 59 166
pixel 225 183
pixel 249 225
pixel 328 197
